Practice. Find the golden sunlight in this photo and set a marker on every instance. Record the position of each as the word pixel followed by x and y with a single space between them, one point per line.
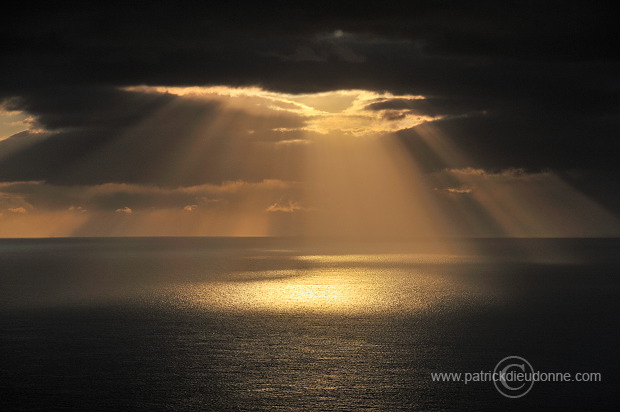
pixel 251 162
pixel 335 284
pixel 344 111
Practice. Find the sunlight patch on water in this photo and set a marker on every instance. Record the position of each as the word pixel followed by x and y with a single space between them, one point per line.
pixel 340 284
pixel 401 258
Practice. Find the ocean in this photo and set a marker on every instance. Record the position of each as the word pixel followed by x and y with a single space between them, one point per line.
pixel 306 324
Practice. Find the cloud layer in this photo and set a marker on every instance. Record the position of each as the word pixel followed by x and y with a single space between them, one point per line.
pixel 167 98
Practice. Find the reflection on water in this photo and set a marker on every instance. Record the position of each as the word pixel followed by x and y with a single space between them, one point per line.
pixel 264 324
pixel 337 284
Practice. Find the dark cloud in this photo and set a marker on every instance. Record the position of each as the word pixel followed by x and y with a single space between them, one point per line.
pixel 102 135
pixel 200 42
pixel 524 84
pixel 44 197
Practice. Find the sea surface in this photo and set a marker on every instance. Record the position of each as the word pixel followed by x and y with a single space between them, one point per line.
pixel 181 324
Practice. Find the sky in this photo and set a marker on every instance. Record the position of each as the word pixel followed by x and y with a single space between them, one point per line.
pixel 427 118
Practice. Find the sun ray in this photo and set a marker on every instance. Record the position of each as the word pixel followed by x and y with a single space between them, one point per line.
pixel 341 166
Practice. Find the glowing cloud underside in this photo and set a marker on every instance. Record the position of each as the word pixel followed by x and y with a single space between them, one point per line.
pixel 266 163
pixel 344 111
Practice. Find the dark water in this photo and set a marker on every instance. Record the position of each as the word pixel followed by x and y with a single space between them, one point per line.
pixel 281 324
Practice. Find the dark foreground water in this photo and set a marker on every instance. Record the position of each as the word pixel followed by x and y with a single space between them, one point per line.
pixel 281 324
